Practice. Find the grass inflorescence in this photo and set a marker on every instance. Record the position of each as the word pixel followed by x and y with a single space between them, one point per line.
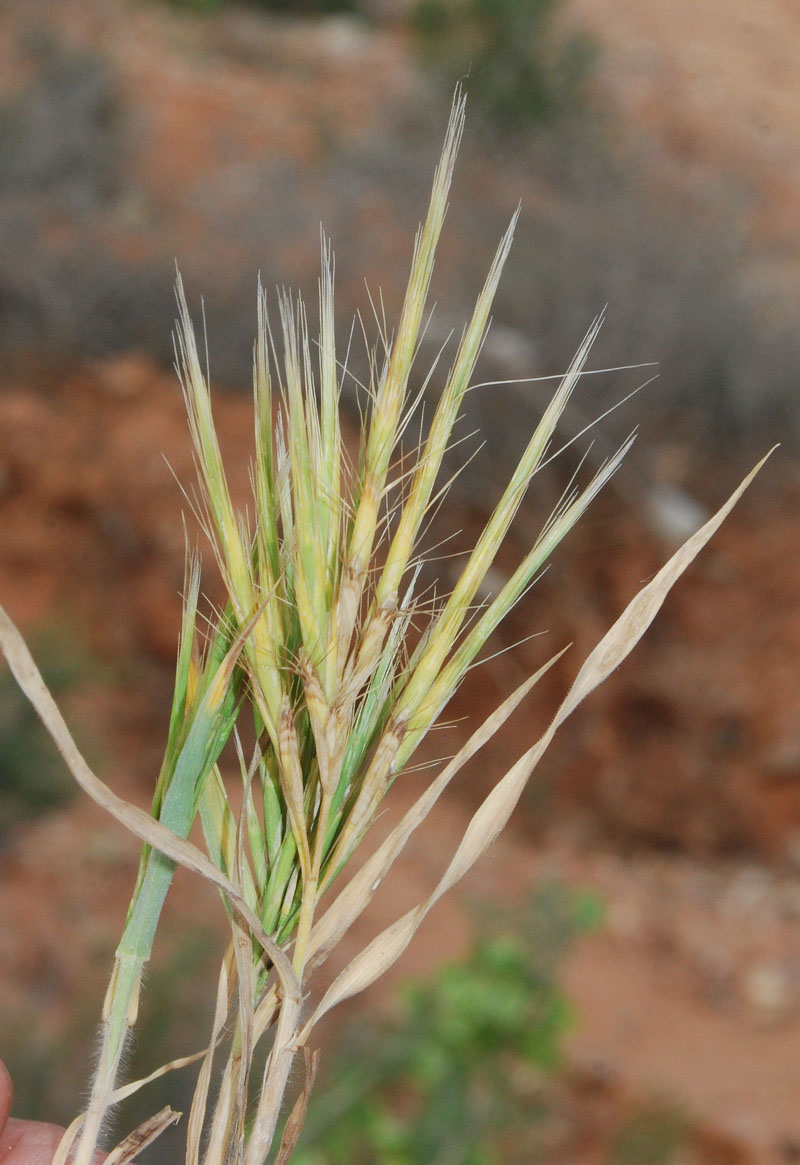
pixel 312 656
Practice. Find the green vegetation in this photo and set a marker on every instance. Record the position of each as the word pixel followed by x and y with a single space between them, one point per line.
pixel 32 776
pixel 292 7
pixel 652 1136
pixel 519 65
pixel 315 7
pixel 457 1076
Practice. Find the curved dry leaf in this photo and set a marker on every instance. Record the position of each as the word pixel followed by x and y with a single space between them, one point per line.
pixel 492 815
pixel 294 1125
pixel 126 1090
pixel 143 1136
pixel 640 612
pixel 67 1141
pixel 358 892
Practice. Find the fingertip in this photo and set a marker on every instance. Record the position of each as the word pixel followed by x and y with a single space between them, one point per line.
pixel 6 1095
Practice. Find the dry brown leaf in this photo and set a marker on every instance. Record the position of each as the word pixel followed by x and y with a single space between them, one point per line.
pixel 493 814
pixel 68 1140
pixel 126 1090
pixel 294 1125
pixel 140 1138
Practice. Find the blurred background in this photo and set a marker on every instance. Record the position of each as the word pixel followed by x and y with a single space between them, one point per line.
pixel 654 867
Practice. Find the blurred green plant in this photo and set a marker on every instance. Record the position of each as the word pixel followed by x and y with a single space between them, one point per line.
pixel 320 7
pixel 295 7
pixel 458 1076
pixel 652 1136
pixel 32 776
pixel 522 67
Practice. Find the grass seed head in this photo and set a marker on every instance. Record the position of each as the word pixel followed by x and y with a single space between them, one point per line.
pixel 339 700
pixel 313 648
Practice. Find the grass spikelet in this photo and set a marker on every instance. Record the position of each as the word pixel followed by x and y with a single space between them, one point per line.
pixel 312 658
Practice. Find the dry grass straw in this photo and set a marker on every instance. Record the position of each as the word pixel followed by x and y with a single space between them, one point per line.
pixel 312 649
